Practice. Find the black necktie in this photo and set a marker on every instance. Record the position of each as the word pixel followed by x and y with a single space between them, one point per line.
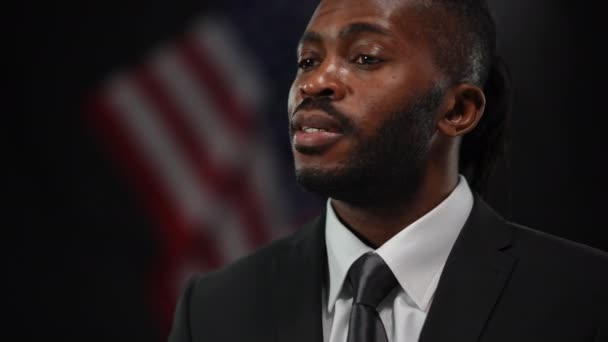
pixel 371 281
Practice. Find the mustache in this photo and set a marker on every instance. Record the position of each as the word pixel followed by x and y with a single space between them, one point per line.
pixel 324 104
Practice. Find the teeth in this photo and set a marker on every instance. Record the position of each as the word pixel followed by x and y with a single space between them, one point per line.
pixel 312 130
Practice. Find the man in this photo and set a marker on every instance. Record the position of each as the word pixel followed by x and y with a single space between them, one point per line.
pixel 394 102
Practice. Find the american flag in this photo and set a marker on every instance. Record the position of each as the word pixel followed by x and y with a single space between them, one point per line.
pixel 183 126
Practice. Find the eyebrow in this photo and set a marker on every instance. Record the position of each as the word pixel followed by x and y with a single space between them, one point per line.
pixel 311 37
pixel 350 30
pixel 358 28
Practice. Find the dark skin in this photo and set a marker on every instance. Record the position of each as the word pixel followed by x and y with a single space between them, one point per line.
pixel 367 56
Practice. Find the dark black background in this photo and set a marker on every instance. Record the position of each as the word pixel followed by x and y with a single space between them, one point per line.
pixel 79 242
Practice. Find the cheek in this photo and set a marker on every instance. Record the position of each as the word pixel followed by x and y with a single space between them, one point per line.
pixel 292 99
pixel 377 88
pixel 374 108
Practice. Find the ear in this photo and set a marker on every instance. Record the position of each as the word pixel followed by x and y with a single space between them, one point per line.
pixel 465 105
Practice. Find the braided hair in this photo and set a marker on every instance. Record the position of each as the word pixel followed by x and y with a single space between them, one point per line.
pixel 463 34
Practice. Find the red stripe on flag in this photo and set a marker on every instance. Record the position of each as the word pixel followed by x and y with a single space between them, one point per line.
pixel 229 185
pixel 201 64
pixel 224 183
pixel 196 58
pixel 217 180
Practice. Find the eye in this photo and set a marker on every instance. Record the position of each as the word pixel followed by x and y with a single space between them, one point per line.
pixel 367 60
pixel 307 63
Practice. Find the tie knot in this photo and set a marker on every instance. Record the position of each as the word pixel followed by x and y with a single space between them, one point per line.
pixel 371 279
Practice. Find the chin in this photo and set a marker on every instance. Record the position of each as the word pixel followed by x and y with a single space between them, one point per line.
pixel 312 169
pixel 334 182
pixel 318 166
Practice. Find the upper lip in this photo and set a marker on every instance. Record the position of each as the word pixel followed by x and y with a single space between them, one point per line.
pixel 315 119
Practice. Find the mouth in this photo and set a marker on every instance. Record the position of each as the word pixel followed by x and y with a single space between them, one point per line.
pixel 314 132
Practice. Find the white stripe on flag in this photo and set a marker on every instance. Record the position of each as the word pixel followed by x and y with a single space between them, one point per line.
pixel 236 64
pixel 143 122
pixel 240 70
pixel 156 143
pixel 199 109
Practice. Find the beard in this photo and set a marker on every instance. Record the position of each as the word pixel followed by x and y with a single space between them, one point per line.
pixel 385 167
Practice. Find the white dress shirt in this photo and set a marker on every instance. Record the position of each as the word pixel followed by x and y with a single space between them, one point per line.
pixel 416 256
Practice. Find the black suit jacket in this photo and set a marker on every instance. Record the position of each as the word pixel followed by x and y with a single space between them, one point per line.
pixel 501 282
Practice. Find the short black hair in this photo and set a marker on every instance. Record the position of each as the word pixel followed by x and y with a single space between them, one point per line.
pixel 463 35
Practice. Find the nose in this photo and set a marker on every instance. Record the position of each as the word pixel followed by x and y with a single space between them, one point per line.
pixel 323 81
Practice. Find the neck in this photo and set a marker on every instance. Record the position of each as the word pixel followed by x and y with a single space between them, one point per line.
pixel 376 225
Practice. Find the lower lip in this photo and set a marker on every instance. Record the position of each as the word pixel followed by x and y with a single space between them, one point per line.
pixel 315 140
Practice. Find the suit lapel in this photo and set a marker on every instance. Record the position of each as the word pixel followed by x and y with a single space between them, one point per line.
pixel 300 275
pixel 475 273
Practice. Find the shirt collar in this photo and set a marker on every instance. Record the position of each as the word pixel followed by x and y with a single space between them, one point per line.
pixel 416 255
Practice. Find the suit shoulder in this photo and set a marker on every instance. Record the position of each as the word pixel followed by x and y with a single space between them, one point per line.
pixel 550 248
pixel 238 292
pixel 549 268
pixel 244 267
pixel 250 271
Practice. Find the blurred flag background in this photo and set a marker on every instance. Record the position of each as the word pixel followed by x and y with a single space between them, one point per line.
pixel 188 127
pixel 147 140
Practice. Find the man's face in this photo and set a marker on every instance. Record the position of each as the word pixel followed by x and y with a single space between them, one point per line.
pixel 362 106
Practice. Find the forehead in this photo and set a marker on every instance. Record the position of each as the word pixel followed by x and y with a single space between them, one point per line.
pixel 357 7
pixel 399 17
